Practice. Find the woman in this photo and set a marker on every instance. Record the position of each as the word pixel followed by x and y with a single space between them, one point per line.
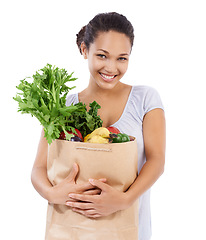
pixel 106 42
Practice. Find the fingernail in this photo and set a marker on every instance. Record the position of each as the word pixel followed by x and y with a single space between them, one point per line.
pixel 103 179
pixel 71 195
pixel 91 180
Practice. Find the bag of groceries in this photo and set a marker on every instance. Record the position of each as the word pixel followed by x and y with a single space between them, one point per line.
pixel 75 134
pixel 117 162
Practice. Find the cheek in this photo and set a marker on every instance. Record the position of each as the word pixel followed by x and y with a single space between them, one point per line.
pixel 94 66
pixel 123 68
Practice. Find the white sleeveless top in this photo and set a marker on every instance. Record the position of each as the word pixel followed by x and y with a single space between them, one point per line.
pixel 142 99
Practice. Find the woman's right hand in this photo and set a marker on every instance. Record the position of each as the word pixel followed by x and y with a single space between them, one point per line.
pixel 59 193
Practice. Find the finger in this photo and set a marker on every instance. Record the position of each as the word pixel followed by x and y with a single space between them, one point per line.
pixel 103 179
pixel 77 210
pixel 103 186
pixel 94 216
pixel 79 205
pixel 87 186
pixel 85 211
pixel 83 197
pixel 70 200
pixel 73 173
pixel 92 192
pixel 84 187
pixel 91 213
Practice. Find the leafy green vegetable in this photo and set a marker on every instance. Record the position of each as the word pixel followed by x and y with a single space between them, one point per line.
pixel 45 98
pixel 84 121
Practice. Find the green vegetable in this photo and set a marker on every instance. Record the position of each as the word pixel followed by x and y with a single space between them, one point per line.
pixel 120 138
pixel 45 98
pixel 85 122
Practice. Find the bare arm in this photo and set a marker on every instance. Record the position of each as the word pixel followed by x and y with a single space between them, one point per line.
pixel 154 142
pixel 39 172
pixel 57 194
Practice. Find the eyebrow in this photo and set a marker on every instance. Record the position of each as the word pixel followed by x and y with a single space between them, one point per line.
pixel 122 54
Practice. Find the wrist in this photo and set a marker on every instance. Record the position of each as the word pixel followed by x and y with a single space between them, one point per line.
pixel 126 201
pixel 130 198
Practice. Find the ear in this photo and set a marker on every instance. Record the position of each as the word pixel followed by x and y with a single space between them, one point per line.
pixel 84 50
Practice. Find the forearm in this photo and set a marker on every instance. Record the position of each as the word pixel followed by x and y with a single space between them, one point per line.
pixel 41 182
pixel 149 174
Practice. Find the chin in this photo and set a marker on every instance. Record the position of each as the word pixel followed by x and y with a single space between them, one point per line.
pixel 107 86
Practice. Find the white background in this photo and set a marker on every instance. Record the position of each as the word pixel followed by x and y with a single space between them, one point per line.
pixel 169 54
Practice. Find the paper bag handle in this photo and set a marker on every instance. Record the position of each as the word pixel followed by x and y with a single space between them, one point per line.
pixel 94 149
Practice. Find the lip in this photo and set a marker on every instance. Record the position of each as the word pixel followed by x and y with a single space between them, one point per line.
pixel 107 78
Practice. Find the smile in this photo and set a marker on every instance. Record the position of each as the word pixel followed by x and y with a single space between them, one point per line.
pixel 107 78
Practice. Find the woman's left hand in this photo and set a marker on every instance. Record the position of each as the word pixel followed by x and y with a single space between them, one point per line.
pixel 107 202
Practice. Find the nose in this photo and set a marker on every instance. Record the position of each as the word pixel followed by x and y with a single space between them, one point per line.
pixel 111 66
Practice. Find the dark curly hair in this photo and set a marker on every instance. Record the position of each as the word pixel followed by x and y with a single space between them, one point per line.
pixel 104 22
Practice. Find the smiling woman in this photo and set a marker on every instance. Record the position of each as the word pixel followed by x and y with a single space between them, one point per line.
pixel 108 58
pixel 106 42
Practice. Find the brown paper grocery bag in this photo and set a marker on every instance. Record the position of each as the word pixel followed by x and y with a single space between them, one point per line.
pixel 117 162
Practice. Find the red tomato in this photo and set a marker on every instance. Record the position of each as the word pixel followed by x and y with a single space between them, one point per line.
pixel 113 130
pixel 63 136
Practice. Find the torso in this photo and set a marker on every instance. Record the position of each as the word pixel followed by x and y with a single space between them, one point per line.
pixel 112 107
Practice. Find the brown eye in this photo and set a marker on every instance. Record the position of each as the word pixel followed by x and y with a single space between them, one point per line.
pixel 122 59
pixel 101 55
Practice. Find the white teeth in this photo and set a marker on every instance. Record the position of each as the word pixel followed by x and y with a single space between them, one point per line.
pixel 107 77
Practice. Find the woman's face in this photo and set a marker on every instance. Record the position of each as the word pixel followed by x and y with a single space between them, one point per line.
pixel 108 58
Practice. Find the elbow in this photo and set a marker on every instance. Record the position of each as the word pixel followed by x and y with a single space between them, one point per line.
pixel 162 171
pixel 162 166
pixel 32 176
pixel 158 164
